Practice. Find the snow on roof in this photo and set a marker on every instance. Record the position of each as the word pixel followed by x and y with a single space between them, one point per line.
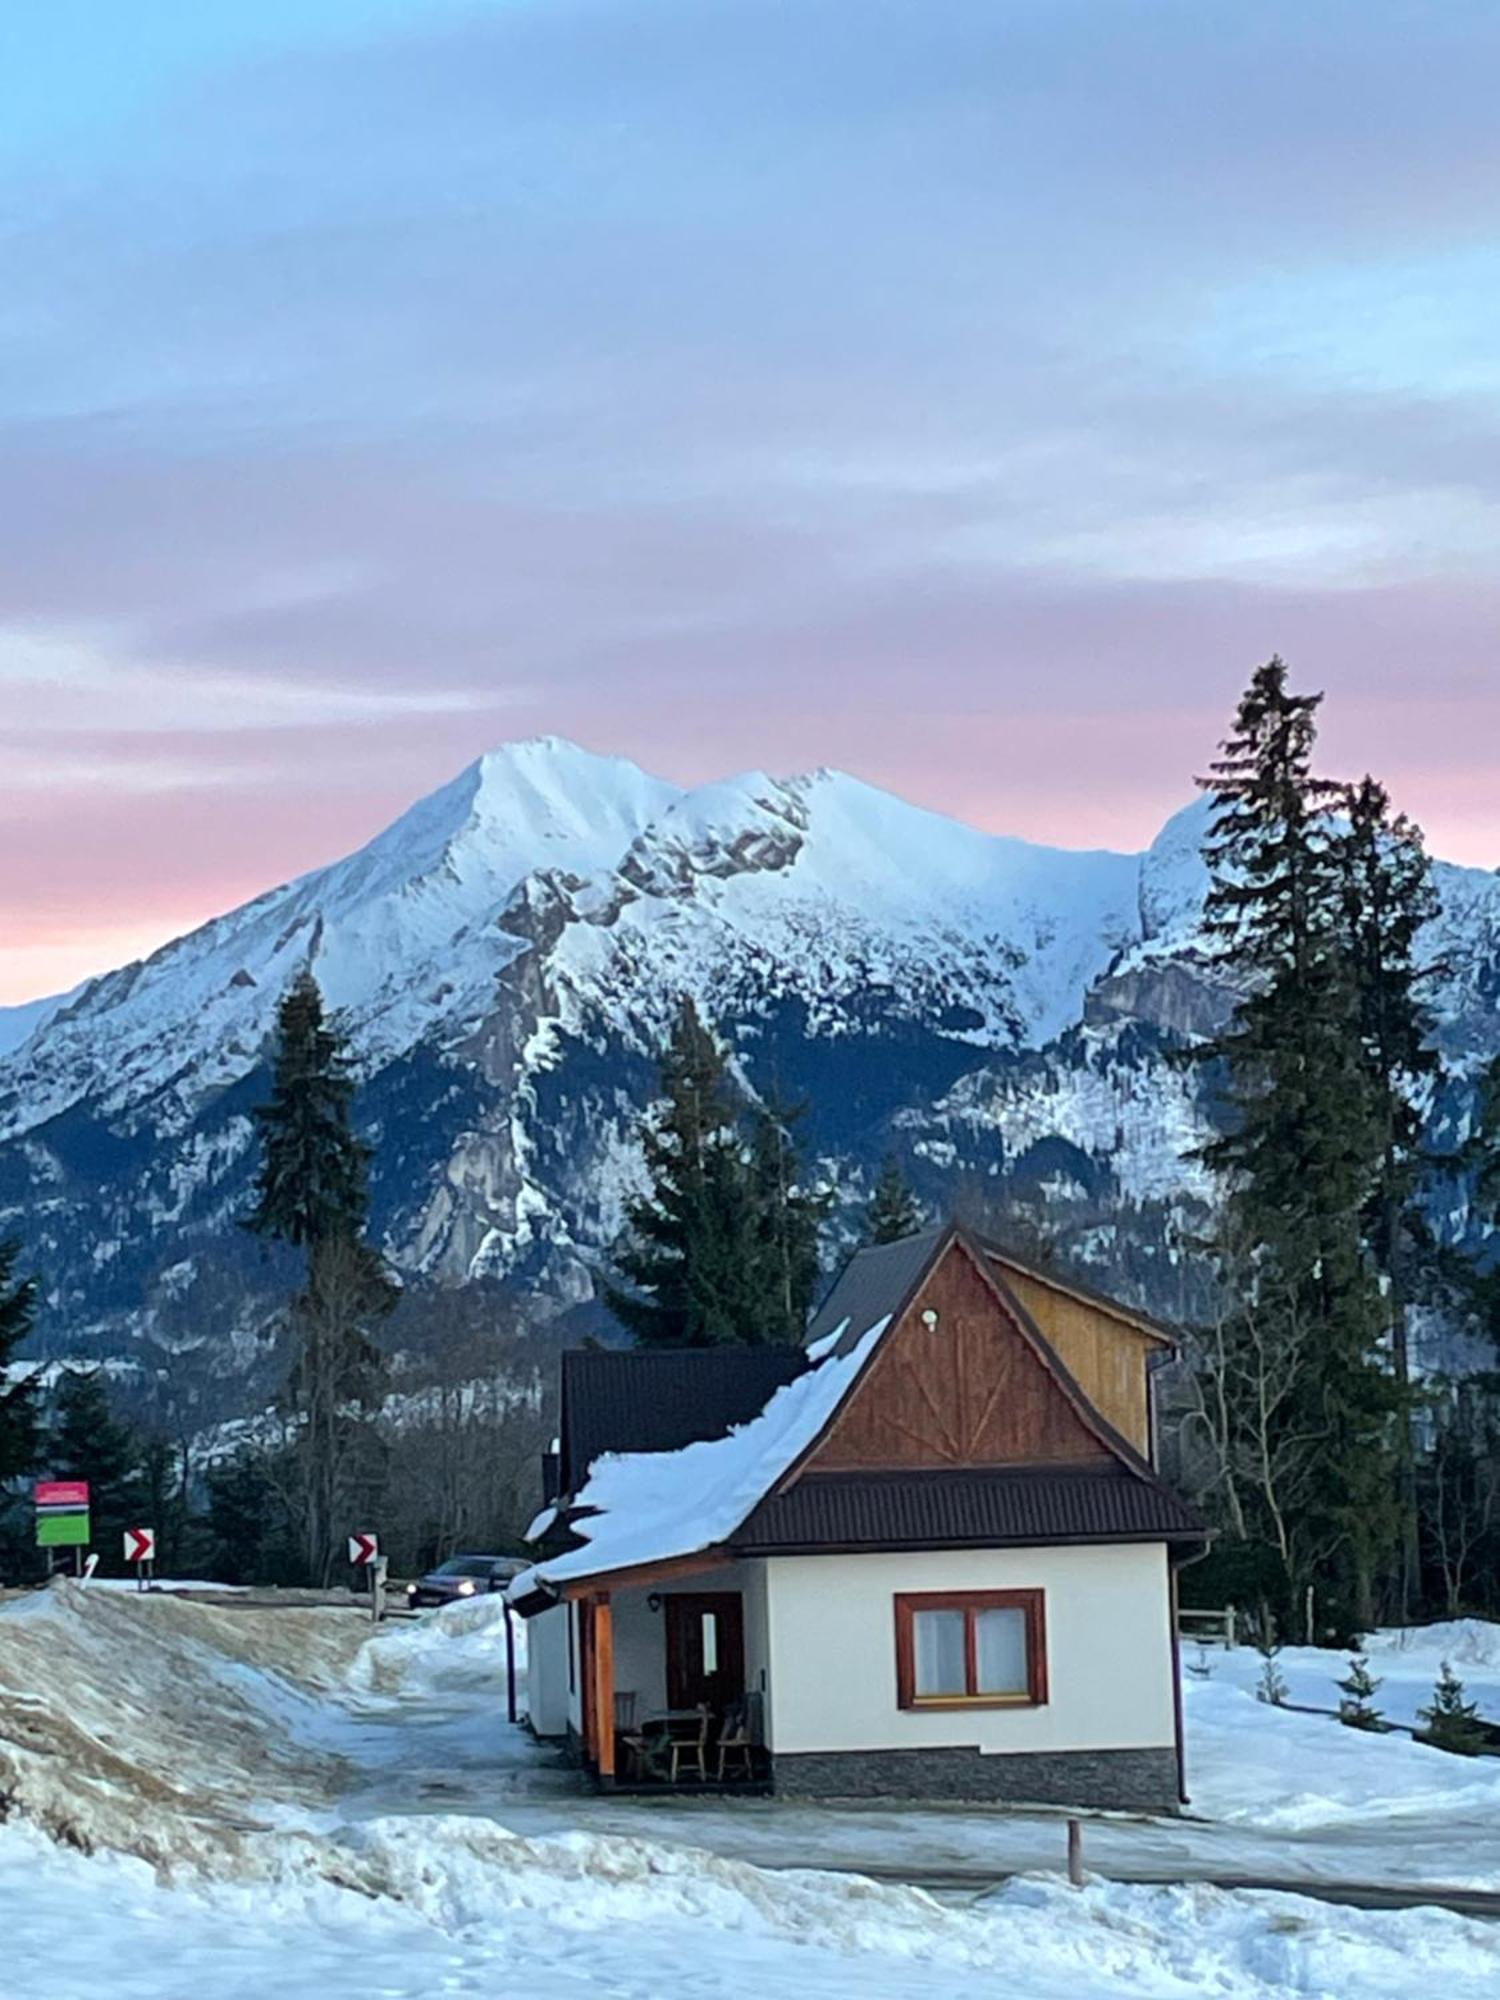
pixel 652 1506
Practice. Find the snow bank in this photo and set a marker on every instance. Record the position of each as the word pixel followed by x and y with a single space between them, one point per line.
pixel 458 1648
pixel 461 1906
pixel 161 1725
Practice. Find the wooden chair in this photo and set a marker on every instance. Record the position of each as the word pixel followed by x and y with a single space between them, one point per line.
pixel 690 1752
pixel 628 1740
pixel 735 1745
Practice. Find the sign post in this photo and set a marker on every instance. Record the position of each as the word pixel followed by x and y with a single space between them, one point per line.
pixel 62 1519
pixel 140 1549
pixel 364 1553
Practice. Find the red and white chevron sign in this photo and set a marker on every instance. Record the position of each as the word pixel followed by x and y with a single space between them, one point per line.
pixel 140 1545
pixel 363 1549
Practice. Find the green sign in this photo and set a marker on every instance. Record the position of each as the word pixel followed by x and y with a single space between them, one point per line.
pixel 62 1531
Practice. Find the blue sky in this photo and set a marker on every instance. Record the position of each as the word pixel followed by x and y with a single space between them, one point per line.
pixel 968 394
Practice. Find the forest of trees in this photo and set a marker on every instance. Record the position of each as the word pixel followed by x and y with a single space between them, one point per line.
pixel 1348 1481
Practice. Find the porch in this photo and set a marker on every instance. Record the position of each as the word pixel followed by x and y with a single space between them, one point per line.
pixel 670 1700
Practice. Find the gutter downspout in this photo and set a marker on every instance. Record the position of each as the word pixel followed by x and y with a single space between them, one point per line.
pixel 1182 1791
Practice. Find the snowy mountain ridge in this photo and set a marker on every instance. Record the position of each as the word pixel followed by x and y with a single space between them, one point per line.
pixel 507 955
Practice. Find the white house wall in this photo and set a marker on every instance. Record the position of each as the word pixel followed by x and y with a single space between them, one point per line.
pixel 546 1638
pixel 831 1648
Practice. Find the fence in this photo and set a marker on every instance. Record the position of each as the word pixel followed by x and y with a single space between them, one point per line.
pixel 1217 1627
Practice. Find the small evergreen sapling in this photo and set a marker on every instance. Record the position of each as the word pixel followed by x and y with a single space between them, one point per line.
pixel 1271 1687
pixel 1357 1709
pixel 1452 1723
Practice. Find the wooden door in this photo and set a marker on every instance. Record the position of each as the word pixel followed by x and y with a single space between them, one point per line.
pixel 705 1648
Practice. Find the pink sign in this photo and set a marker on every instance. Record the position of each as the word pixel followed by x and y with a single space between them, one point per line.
pixel 62 1493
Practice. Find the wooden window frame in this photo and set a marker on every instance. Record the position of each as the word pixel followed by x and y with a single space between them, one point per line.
pixel 1032 1602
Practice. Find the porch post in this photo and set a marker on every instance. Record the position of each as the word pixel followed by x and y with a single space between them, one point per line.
pixel 586 1676
pixel 604 1684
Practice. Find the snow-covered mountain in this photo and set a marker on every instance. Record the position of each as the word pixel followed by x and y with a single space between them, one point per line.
pixel 508 955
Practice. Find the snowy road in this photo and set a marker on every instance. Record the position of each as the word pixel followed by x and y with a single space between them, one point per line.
pixel 333 1818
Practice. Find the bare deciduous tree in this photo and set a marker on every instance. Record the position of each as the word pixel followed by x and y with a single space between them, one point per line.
pixel 1250 1443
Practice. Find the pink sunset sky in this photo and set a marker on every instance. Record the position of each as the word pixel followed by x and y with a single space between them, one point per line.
pixel 964 395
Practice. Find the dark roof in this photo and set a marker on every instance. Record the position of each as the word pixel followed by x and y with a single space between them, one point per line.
pixel 659 1399
pixel 875 1284
pixel 1015 1506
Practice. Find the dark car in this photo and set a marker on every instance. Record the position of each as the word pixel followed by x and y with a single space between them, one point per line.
pixel 460 1577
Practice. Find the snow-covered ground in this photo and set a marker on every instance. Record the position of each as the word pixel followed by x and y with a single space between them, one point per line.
pixel 283 1806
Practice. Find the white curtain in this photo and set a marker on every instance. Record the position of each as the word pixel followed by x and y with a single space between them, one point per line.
pixel 939 1652
pixel 1001 1647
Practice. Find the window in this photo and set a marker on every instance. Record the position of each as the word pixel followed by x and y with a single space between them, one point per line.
pixel 971 1649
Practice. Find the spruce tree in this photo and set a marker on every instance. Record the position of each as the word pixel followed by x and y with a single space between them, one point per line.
pixel 1479 1158
pixel 250 1537
pixel 312 1182
pixel 1300 1151
pixel 691 1261
pixel 1452 1723
pixel 1271 1686
pixel 1387 898
pixel 312 1192
pixel 1357 1710
pixel 18 1424
pixel 788 1219
pixel 88 1441
pixel 893 1211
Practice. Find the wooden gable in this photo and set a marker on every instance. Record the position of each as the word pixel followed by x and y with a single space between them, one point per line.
pixel 1105 1351
pixel 970 1390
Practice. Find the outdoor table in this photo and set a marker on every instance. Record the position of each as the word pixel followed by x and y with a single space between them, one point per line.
pixel 658 1729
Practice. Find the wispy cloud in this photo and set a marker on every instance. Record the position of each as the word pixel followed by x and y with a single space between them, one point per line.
pixel 728 384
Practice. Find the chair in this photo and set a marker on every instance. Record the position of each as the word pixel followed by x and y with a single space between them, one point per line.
pixel 627 1737
pixel 734 1741
pixel 690 1751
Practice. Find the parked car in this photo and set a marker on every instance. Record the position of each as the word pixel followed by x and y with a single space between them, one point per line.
pixel 460 1577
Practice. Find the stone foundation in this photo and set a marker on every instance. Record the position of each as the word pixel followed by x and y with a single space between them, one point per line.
pixel 1113 1780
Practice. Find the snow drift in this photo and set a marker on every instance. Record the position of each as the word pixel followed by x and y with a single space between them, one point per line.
pixel 167 1728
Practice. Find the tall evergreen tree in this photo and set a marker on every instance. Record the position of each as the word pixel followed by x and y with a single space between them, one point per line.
pixel 788 1219
pixel 313 1174
pixel 1301 1151
pixel 18 1424
pixel 1387 897
pixel 88 1441
pixel 312 1192
pixel 692 1261
pixel 893 1211
pixel 1480 1159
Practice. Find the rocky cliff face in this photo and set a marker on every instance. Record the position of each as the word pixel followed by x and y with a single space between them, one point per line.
pixel 508 956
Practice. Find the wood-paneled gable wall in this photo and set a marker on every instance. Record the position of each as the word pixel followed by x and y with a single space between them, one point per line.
pixel 969 1391
pixel 1106 1357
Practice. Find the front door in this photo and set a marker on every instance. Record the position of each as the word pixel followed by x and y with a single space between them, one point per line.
pixel 705 1649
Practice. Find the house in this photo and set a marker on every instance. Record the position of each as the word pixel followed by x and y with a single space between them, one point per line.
pixel 924 1556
